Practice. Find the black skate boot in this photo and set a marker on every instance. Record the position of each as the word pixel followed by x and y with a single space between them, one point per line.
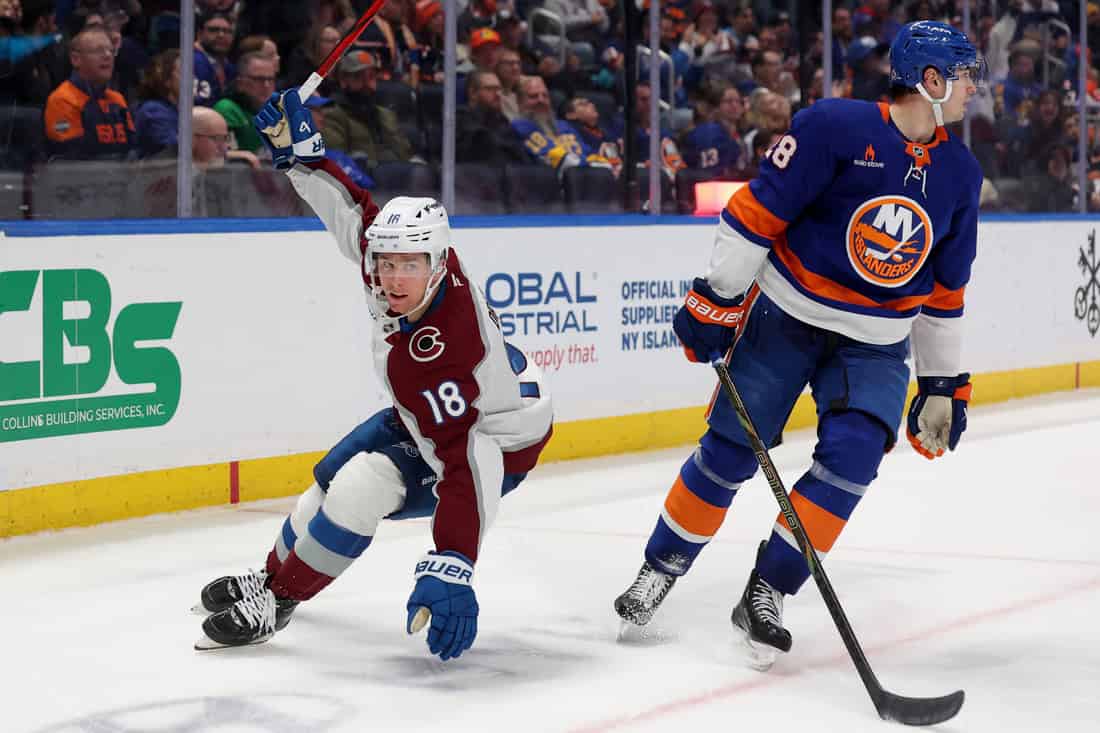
pixel 252 620
pixel 759 615
pixel 221 594
pixel 642 599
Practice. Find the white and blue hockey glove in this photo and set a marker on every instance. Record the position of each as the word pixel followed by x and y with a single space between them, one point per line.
pixel 443 593
pixel 937 414
pixel 381 430
pixel 306 140
pixel 274 132
pixel 706 323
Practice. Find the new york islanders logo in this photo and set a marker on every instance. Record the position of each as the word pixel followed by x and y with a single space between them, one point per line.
pixel 888 239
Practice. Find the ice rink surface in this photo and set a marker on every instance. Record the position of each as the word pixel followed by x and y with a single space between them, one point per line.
pixel 980 571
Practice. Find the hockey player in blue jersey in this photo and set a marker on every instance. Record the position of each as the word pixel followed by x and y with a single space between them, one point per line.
pixel 853 244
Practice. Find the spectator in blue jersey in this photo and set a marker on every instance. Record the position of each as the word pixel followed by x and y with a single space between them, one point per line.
pixel 671 161
pixel 715 146
pixel 548 139
pixel 1020 85
pixel 157 117
pixel 584 116
pixel 213 72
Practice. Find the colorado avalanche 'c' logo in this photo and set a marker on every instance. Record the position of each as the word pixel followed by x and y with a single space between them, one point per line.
pixel 889 238
pixel 426 344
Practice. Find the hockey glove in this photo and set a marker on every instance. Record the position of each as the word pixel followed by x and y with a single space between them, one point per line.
pixel 706 323
pixel 381 430
pixel 937 414
pixel 307 143
pixel 444 595
pixel 269 120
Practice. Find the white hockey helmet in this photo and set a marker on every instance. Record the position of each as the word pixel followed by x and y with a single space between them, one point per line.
pixel 408 225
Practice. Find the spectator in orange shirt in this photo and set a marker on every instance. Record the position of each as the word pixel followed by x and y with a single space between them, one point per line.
pixel 84 118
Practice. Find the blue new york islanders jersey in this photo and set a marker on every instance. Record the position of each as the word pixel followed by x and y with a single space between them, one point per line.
pixel 710 147
pixel 852 228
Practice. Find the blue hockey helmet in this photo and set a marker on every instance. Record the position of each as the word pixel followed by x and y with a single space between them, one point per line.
pixel 930 43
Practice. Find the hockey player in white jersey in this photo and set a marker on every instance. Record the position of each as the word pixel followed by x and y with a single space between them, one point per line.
pixel 470 416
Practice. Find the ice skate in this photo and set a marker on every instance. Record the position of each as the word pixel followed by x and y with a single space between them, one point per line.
pixel 222 593
pixel 759 619
pixel 642 599
pixel 253 620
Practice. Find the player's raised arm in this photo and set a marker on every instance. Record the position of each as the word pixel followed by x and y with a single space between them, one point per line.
pixel 345 209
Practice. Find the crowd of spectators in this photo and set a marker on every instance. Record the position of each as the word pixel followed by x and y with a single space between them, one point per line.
pixel 541 83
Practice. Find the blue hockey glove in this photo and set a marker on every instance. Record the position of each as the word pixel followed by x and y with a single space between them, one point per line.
pixel 267 123
pixel 444 595
pixel 307 143
pixel 937 414
pixel 706 323
pixel 381 430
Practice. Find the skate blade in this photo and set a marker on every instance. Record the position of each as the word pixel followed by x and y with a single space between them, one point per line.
pixel 205 643
pixel 758 656
pixel 200 610
pixel 651 633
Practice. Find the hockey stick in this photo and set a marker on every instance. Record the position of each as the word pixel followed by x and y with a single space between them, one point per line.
pixel 907 710
pixel 310 85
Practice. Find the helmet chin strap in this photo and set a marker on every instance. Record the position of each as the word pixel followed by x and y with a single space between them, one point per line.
pixel 937 104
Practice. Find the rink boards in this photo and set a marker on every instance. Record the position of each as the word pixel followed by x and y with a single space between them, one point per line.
pixel 156 366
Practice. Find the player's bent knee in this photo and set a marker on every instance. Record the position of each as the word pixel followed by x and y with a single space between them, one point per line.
pixel 851 444
pixel 730 461
pixel 308 504
pixel 364 490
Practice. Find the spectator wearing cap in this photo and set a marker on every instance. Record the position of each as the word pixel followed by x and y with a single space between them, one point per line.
pixel 478 14
pixel 585 20
pixel 84 117
pixel 318 106
pixel 428 25
pixel 157 117
pixel 547 139
pixel 484 45
pixel 356 124
pixel 213 72
pixel 393 43
pixel 509 69
pixel 715 146
pixel 254 84
pixel 870 74
pixel 482 133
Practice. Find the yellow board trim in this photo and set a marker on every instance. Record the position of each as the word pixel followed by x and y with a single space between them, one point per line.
pixel 93 501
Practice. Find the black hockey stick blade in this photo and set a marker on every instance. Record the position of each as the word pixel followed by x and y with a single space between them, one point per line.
pixel 918 710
